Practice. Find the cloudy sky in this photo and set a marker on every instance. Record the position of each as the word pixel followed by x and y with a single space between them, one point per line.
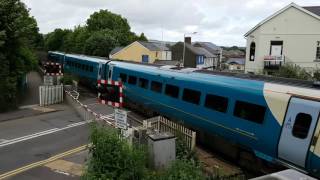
pixel 221 22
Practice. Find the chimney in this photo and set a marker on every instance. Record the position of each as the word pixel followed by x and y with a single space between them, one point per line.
pixel 187 40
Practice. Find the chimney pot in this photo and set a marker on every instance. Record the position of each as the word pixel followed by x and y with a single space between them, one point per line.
pixel 187 40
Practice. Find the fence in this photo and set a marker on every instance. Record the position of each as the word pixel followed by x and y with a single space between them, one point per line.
pixel 162 124
pixel 50 95
pixel 86 113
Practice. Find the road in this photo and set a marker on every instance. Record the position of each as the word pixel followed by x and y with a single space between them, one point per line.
pixel 31 139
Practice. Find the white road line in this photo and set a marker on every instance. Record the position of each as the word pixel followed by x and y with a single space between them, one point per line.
pixel 42 133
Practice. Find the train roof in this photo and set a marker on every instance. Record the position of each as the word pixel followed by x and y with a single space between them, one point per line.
pixel 87 58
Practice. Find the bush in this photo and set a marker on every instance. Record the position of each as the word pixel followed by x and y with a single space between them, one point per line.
pixel 112 157
pixel 293 71
pixel 316 75
pixel 67 79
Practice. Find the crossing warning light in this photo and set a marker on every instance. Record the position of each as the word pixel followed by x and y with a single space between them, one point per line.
pixel 110 92
pixel 52 69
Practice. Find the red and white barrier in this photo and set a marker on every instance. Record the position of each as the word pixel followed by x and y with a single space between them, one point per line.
pixel 114 83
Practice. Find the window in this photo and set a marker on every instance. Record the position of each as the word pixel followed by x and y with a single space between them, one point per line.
pixel 83 67
pixel 248 111
pixel 156 86
pixel 123 77
pixel 191 96
pixel 318 51
pixel 301 125
pixel 87 68
pixel 91 68
pixel 143 83
pixel 217 103
pixel 172 91
pixel 132 80
pixel 252 51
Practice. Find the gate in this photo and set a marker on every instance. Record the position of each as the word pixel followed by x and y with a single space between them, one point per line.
pixel 50 95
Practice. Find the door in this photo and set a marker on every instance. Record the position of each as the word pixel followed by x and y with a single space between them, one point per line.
pixel 145 58
pixel 110 72
pixel 276 50
pixel 297 131
pixel 99 70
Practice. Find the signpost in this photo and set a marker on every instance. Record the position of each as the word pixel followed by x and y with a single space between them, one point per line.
pixel 48 80
pixel 120 117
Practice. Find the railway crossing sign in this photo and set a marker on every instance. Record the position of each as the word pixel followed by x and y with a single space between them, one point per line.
pixel 52 69
pixel 120 117
pixel 110 93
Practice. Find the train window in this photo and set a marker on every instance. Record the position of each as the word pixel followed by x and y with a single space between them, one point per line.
pixel 83 67
pixel 156 86
pixel 87 68
pixel 172 91
pixel 91 68
pixel 249 111
pixel 191 96
pixel 217 103
pixel 143 83
pixel 123 77
pixel 132 80
pixel 301 125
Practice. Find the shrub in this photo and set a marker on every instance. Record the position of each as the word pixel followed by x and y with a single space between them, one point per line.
pixel 67 79
pixel 293 71
pixel 112 157
pixel 316 75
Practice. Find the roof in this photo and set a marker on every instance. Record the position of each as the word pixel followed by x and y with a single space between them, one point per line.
pixel 115 50
pixel 205 52
pixel 154 46
pixel 209 46
pixel 311 10
pixel 166 62
pixel 240 61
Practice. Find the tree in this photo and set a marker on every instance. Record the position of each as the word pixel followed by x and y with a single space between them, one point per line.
pixel 100 43
pixel 19 37
pixel 56 39
pixel 142 37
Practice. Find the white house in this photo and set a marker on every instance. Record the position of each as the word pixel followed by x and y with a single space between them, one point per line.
pixel 291 35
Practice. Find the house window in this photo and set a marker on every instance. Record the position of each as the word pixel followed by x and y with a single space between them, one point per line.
pixel 143 83
pixel 217 103
pixel 318 51
pixel 156 86
pixel 249 111
pixel 172 91
pixel 191 96
pixel 301 125
pixel 252 51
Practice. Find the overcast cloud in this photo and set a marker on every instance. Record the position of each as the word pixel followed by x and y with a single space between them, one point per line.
pixel 217 21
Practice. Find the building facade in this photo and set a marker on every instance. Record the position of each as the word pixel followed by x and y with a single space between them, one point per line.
pixel 139 51
pixel 290 36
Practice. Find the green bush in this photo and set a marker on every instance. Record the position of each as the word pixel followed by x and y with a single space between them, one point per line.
pixel 316 75
pixel 112 157
pixel 293 71
pixel 67 79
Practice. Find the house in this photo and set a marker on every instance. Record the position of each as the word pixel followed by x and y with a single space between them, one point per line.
pixel 194 57
pixel 289 36
pixel 140 51
pixel 235 64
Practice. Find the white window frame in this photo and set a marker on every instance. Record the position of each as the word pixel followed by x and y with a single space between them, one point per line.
pixel 318 53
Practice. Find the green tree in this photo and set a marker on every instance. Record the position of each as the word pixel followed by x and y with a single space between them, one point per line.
pixel 142 37
pixel 19 37
pixel 100 43
pixel 56 39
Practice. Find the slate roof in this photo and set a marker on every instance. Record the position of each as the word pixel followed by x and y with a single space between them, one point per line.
pixel 209 46
pixel 115 50
pixel 240 61
pixel 154 46
pixel 313 9
pixel 205 52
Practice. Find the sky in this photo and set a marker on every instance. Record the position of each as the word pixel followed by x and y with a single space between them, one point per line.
pixel 223 22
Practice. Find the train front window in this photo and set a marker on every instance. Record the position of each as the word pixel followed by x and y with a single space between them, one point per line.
pixel 132 80
pixel 191 96
pixel 143 83
pixel 302 125
pixel 172 91
pixel 248 111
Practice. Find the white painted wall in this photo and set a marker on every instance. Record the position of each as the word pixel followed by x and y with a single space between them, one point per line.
pixel 166 55
pixel 298 31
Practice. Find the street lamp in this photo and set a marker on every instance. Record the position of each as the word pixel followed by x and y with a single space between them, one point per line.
pixel 184 45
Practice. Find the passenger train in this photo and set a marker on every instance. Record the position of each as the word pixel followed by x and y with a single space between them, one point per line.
pixel 277 123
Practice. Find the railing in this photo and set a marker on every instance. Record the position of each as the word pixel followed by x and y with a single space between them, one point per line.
pixel 274 62
pixel 50 95
pixel 162 124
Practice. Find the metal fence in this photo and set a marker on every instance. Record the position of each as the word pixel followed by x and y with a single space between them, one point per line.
pixel 50 95
pixel 162 124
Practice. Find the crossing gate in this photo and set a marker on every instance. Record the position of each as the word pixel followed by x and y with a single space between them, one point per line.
pixel 50 95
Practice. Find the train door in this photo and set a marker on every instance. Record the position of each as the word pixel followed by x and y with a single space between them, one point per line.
pixel 110 72
pixel 298 130
pixel 99 70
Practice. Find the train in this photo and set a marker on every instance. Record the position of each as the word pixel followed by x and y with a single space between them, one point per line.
pixel 277 123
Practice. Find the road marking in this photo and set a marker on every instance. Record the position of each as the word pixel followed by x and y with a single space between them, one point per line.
pixel 40 163
pixel 66 167
pixel 42 133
